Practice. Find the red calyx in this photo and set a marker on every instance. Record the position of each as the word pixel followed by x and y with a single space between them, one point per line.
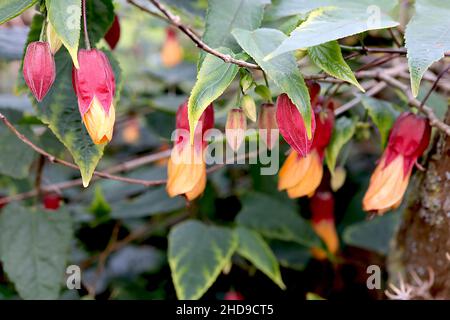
pixel 322 206
pixel 292 127
pixel 95 77
pixel 39 69
pixel 409 137
pixel 51 201
pixel 324 127
pixel 112 37
pixel 205 122
pixel 233 295
pixel 171 33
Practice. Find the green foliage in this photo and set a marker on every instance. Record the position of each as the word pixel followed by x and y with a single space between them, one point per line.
pixel 374 235
pixel 213 79
pixel 275 219
pixel 343 131
pixel 328 57
pixel 34 247
pixel 15 156
pixel 332 20
pixel 65 18
pixel 12 8
pixel 253 247
pixel 197 254
pixel 283 70
pixel 426 38
pixel 224 16
pixel 383 114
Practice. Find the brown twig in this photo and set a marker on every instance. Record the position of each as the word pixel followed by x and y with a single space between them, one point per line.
pixel 176 21
pixel 365 50
pixel 433 87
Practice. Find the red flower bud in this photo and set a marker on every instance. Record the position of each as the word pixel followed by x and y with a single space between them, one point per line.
pixel 205 122
pixel 324 128
pixel 314 90
pixel 39 69
pixel 267 123
pixel 95 87
pixel 51 201
pixel 235 128
pixel 112 37
pixel 233 295
pixel 292 127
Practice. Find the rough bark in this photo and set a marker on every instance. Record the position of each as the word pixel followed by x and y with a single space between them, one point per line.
pixel 423 239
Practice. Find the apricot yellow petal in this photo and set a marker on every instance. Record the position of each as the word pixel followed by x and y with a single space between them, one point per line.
pixel 185 171
pixel 326 230
pixel 387 186
pixel 293 170
pixel 311 180
pixel 99 124
pixel 171 53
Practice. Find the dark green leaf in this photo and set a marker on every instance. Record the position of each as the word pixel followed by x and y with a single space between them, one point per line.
pixel 197 255
pixel 34 247
pixel 343 131
pixel 15 156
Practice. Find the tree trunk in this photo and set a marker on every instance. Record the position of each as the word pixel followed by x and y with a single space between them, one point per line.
pixel 423 239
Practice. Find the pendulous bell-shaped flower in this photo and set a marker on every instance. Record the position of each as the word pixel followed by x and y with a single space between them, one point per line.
pixel 322 209
pixel 94 85
pixel 39 69
pixel 186 168
pixel 171 52
pixel 409 138
pixel 301 175
pixel 267 124
pixel 235 128
pixel 291 124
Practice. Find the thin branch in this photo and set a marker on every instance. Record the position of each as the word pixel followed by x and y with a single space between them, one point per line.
pixel 373 91
pixel 176 21
pixel 365 50
pixel 54 159
pixel 434 86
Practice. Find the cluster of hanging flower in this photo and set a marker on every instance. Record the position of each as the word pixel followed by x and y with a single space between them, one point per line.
pixel 92 78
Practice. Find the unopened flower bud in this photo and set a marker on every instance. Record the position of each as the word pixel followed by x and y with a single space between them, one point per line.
pixel 235 128
pixel 39 69
pixel 51 201
pixel 112 37
pixel 249 107
pixel 267 123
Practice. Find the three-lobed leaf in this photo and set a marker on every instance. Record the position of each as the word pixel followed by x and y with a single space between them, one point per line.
pixel 282 70
pixel 328 57
pixel 34 248
pixel 427 38
pixel 197 254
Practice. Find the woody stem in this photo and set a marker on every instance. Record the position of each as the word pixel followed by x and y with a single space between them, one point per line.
pixel 86 36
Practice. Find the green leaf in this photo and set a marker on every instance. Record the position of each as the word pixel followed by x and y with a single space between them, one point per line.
pixel 214 77
pixel 374 235
pixel 343 131
pixel 253 248
pixel 12 8
pixel 224 16
pixel 290 254
pixel 139 207
pixel 427 38
pixel 100 16
pixel 197 254
pixel 99 206
pixel 328 57
pixel 338 20
pixel 34 247
pixel 383 115
pixel 283 70
pixel 15 156
pixel 275 219
pixel 287 8
pixel 65 18
pixel 59 110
